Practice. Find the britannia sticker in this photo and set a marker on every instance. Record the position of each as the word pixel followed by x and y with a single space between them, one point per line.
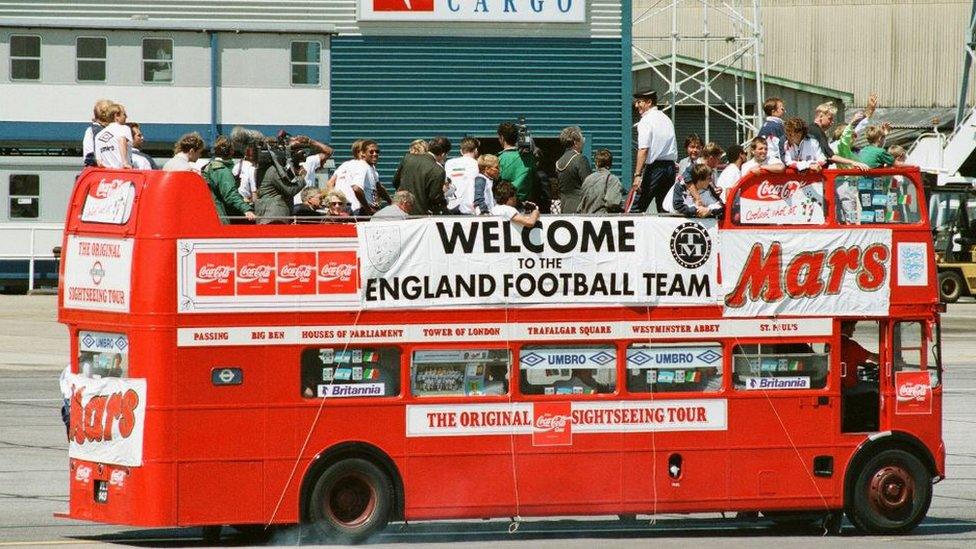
pixel 690 245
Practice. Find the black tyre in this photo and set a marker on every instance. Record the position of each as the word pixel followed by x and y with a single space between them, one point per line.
pixel 950 286
pixel 351 501
pixel 891 494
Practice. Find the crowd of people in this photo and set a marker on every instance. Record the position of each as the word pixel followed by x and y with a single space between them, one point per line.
pixel 429 181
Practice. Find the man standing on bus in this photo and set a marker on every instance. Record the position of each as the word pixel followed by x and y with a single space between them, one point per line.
pixel 656 153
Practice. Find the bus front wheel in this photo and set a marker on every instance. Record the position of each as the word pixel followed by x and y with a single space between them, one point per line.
pixel 891 494
pixel 351 501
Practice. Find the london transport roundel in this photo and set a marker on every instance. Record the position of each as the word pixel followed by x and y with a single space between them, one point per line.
pixel 690 245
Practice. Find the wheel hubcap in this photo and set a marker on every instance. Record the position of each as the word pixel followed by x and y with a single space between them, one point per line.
pixel 948 287
pixel 351 500
pixel 892 492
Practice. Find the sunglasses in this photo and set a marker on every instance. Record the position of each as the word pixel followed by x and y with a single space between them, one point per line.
pixel 336 204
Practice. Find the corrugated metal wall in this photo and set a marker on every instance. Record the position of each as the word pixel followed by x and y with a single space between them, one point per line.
pixel 396 89
pixel 604 16
pixel 910 52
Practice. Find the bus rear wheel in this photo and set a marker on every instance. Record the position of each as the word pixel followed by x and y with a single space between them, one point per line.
pixel 891 494
pixel 351 501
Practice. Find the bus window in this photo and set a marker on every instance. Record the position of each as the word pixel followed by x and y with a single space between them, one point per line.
pixel 869 200
pixel 563 370
pixel 673 368
pixel 102 354
pixel 328 372
pixel 909 342
pixel 468 372
pixel 780 366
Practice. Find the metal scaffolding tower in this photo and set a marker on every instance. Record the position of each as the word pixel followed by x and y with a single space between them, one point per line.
pixel 728 37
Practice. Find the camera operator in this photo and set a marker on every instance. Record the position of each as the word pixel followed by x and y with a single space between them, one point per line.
pixel 318 153
pixel 278 181
pixel 516 164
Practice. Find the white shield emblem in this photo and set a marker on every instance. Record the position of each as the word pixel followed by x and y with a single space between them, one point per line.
pixel 382 247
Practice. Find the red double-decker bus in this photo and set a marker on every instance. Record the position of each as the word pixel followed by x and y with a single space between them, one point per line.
pixel 783 361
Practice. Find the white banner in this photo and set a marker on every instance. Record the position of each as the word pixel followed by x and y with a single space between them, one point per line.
pixel 107 419
pixel 580 260
pixel 109 202
pixel 98 273
pixel 783 203
pixel 485 11
pixel 806 273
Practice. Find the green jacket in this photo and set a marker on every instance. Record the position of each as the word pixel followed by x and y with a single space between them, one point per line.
pixel 846 143
pixel 519 169
pixel 876 157
pixel 223 188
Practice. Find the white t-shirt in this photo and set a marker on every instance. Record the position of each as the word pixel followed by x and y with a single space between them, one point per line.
pixel 655 132
pixel 140 162
pixel 751 163
pixel 461 171
pixel 87 143
pixel 311 165
pixel 504 210
pixel 108 146
pixel 804 154
pixel 249 183
pixel 357 173
pixel 729 177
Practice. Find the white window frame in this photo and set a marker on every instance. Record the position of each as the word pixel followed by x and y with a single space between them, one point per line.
pixel 291 63
pixel 40 46
pixel 171 61
pixel 79 59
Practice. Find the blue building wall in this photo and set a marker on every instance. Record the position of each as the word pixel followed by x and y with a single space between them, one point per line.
pixel 397 89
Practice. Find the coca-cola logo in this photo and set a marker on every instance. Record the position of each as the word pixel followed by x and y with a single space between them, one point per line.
pixel 913 391
pixel 211 272
pixel 336 271
pixel 83 473
pixel 551 422
pixel 250 271
pixel 296 272
pixel 106 188
pixel 778 191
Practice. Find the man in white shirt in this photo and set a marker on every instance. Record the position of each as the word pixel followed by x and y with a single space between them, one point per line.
pixel 113 145
pixel 802 151
pixel 140 160
pixel 505 200
pixel 188 149
pixel 656 153
pixel 761 161
pixel 100 119
pixel 360 182
pixel 313 164
pixel 736 156
pixel 461 172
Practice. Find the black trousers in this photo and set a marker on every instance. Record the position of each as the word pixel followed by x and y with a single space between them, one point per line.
pixel 656 180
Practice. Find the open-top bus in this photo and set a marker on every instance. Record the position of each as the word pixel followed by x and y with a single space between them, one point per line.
pixel 349 374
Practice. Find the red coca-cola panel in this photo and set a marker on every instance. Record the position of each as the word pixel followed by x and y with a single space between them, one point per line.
pixel 296 273
pixel 215 273
pixel 913 393
pixel 256 273
pixel 552 424
pixel 338 273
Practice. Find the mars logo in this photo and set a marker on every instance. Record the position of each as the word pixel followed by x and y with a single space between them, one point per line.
pixel 403 5
pixel 215 274
pixel 256 273
pixel 913 393
pixel 338 273
pixel 296 273
pixel 765 278
pixel 690 245
pixel 552 424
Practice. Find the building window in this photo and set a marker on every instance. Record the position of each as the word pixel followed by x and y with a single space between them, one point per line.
pixel 157 60
pixel 305 63
pixel 90 53
pixel 25 57
pixel 25 192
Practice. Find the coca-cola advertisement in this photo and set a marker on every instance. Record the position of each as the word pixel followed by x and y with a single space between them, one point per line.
pixel 296 273
pixel 215 274
pixel 337 273
pixel 552 424
pixel 256 273
pixel 913 393
pixel 782 202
